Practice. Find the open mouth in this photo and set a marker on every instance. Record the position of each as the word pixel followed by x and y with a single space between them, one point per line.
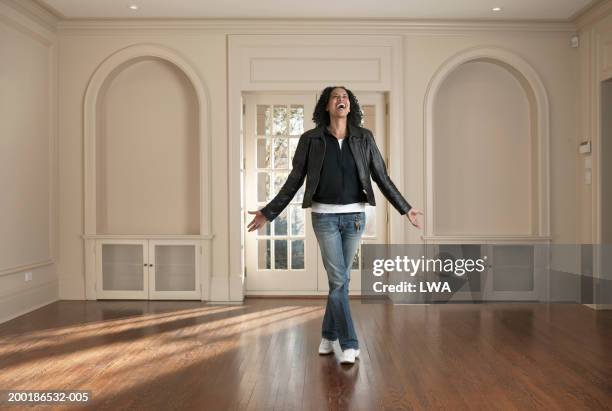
pixel 341 106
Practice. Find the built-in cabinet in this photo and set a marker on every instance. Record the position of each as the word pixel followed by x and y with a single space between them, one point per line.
pixel 512 272
pixel 148 269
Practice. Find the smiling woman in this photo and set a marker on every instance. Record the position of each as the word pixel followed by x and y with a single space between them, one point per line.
pixel 337 188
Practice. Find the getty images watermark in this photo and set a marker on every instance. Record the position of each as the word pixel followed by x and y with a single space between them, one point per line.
pixel 418 273
pixel 460 273
pixel 411 267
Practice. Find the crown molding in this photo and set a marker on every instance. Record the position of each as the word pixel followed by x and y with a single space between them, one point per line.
pixel 34 11
pixel 321 26
pixel 592 14
pixel 49 10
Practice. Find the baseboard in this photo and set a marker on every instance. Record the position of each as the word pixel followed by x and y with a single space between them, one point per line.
pixel 295 294
pixel 29 294
pixel 26 311
pixel 599 306
pixel 287 296
pixel 295 297
pixel 225 302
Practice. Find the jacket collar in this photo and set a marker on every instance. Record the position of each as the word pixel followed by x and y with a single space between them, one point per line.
pixel 353 131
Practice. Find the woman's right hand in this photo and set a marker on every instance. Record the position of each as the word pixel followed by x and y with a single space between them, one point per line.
pixel 258 221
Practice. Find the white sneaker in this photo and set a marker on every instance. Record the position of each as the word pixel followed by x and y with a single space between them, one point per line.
pixel 348 356
pixel 326 346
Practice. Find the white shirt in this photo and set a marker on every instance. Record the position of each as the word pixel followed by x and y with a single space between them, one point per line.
pixel 338 208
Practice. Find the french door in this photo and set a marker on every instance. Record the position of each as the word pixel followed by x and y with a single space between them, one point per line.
pixel 282 257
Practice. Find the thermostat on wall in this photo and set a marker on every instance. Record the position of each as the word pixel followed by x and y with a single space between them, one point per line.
pixel 584 147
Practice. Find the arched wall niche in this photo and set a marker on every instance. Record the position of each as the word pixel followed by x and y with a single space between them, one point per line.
pixel 128 66
pixel 486 149
pixel 147 163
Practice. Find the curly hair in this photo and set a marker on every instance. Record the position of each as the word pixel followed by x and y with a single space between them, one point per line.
pixel 320 116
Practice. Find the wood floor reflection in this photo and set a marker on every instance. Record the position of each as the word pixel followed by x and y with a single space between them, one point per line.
pixel 263 356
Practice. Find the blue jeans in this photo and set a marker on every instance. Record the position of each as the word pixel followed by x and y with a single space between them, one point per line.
pixel 339 235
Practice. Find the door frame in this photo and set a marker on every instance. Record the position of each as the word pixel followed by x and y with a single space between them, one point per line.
pixel 382 60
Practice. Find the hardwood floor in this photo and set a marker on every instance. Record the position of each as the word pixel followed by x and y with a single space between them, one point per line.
pixel 263 356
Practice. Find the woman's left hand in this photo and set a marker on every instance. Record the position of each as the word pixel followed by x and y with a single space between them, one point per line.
pixel 412 217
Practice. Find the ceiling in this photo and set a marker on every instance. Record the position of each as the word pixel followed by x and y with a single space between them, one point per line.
pixel 559 10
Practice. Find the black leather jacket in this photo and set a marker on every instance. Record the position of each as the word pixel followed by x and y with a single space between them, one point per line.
pixel 308 160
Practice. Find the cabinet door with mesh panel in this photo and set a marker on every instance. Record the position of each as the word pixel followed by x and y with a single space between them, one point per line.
pixel 174 267
pixel 122 269
pixel 281 255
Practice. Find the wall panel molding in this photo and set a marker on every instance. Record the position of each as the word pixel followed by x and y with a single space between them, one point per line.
pixel 25 267
pixel 31 20
pixel 274 70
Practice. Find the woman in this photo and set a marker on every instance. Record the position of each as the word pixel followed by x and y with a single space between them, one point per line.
pixel 339 157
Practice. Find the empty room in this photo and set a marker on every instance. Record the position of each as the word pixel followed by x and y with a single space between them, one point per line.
pixel 272 205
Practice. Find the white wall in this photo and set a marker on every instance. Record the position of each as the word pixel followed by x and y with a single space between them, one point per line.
pixel 28 166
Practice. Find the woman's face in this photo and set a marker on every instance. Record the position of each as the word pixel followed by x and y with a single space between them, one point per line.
pixel 338 104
